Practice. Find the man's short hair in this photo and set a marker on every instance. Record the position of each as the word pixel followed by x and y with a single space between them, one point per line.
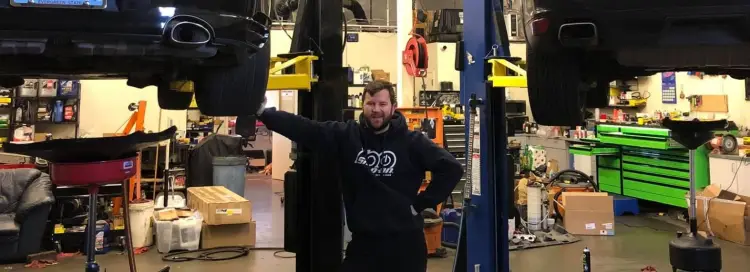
pixel 378 85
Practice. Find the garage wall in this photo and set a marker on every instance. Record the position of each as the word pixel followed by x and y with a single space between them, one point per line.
pixel 104 108
pixel 739 109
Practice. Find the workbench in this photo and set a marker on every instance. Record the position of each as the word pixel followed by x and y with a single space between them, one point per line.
pixel 643 162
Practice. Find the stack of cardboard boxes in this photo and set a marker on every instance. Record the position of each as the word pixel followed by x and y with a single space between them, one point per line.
pixel 227 217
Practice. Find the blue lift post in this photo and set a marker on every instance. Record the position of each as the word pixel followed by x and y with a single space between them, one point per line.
pixel 486 223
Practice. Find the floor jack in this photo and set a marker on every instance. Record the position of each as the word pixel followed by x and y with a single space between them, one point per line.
pixel 94 162
pixel 691 251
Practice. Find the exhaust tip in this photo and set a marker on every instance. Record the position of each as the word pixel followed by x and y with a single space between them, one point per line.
pixel 189 34
pixel 583 34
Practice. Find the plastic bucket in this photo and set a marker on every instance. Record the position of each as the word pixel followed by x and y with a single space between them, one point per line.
pixel 230 173
pixel 140 223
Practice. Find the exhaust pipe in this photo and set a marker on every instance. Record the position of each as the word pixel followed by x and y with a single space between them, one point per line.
pixel 582 34
pixel 186 34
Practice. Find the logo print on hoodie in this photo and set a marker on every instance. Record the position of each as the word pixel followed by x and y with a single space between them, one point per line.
pixel 381 164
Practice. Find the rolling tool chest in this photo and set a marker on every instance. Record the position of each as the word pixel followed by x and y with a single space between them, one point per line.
pixel 644 163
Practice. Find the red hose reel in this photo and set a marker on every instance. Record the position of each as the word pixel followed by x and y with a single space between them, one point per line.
pixel 415 56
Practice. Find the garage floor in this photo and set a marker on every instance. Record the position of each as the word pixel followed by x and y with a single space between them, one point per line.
pixel 639 242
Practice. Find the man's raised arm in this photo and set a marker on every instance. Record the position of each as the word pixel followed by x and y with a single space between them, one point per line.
pixel 313 134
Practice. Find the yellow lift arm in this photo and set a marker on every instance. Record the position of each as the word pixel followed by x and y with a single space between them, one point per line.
pixel 501 77
pixel 302 78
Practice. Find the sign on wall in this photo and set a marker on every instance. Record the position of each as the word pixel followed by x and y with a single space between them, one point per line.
pixel 669 88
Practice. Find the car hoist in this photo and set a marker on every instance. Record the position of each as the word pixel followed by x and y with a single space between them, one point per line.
pixel 483 243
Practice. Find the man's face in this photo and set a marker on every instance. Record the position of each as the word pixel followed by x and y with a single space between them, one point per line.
pixel 378 108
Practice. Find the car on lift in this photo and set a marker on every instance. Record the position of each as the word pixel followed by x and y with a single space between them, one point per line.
pixel 217 51
pixel 576 47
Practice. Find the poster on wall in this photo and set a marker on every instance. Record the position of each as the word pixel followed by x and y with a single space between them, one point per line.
pixel 669 88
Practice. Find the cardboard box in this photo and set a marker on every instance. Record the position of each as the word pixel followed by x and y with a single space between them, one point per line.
pixel 589 213
pixel 724 214
pixel 219 206
pixel 228 235
pixel 381 75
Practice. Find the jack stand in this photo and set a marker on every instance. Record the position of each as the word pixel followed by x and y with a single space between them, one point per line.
pixel 692 252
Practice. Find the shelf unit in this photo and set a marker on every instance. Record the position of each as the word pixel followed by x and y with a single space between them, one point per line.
pixel 35 101
pixel 194 130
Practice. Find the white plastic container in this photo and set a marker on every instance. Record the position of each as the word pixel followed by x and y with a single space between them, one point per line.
pixel 140 222
pixel 180 234
pixel 176 200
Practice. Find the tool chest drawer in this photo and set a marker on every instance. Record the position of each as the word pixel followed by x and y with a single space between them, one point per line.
pixel 654 192
pixel 609 180
pixel 609 162
pixel 647 137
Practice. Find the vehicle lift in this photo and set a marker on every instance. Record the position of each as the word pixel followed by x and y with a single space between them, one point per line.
pixel 483 239
pixel 312 189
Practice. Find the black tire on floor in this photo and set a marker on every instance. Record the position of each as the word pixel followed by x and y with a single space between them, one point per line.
pixel 234 91
pixel 598 96
pixel 173 100
pixel 554 82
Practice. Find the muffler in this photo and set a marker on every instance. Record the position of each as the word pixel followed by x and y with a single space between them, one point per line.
pixel 186 34
pixel 582 34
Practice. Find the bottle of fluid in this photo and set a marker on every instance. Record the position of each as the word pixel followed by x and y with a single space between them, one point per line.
pixel 58 112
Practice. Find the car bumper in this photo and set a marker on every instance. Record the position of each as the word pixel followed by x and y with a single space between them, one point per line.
pixel 655 27
pixel 660 37
pixel 113 32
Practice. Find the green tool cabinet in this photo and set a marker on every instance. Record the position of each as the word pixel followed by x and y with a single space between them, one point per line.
pixel 644 163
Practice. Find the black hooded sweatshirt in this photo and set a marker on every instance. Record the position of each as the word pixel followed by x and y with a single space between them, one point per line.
pixel 380 173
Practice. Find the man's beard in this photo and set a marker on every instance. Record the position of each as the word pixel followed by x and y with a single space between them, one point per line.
pixel 386 121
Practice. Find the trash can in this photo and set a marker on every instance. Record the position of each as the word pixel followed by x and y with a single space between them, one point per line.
pixel 230 173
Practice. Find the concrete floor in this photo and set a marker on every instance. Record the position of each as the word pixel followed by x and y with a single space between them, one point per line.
pixel 639 242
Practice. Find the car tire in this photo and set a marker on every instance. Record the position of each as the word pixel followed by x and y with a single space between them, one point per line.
pixel 554 84
pixel 173 100
pixel 598 96
pixel 234 91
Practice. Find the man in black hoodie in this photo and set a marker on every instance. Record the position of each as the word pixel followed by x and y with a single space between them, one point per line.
pixel 382 167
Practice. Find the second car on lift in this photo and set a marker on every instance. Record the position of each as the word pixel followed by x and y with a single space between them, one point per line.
pixel 576 47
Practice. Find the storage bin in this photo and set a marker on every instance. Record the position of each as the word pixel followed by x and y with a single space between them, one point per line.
pixel 48 88
pixel 180 234
pixel 29 88
pixel 176 200
pixel 140 221
pixel 68 88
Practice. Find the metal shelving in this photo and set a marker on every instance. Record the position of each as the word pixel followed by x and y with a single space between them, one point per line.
pixel 455 142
